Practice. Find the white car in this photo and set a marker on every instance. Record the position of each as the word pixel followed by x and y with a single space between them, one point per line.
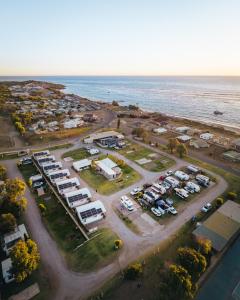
pixel 181 193
pixel 126 202
pixel 156 211
pixel 206 207
pixel 135 191
pixel 172 210
pixel 169 173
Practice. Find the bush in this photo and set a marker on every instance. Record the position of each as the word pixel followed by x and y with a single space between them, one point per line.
pixel 42 208
pixel 133 271
pixel 232 196
pixel 118 244
pixel 219 201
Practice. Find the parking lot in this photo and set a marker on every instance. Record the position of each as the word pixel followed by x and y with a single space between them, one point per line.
pixel 154 205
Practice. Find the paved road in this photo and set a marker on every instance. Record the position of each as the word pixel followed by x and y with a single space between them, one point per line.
pixel 70 285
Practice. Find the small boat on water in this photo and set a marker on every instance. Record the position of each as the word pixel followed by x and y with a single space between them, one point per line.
pixel 217 112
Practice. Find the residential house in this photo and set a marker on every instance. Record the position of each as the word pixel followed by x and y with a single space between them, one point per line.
pixel 91 212
pixel 108 168
pixel 78 197
pixel 67 185
pixel 11 238
pixel 82 164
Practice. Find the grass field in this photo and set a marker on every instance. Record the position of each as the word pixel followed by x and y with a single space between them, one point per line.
pixel 76 154
pixel 106 187
pixel 158 162
pixel 57 135
pixel 95 253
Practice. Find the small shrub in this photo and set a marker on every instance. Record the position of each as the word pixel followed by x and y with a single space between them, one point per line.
pixel 118 244
pixel 232 196
pixel 219 201
pixel 133 271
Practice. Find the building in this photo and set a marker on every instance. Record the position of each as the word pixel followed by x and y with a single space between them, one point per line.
pixel 93 151
pixel 78 197
pixel 91 212
pixel 41 153
pixel 108 168
pixel 74 123
pixel 49 167
pixel 184 138
pixel 82 164
pixel 183 129
pixel 160 130
pixel 6 270
pixel 106 138
pixel 222 227
pixel 198 143
pixel 233 156
pixel 59 175
pixel 206 136
pixel 67 185
pixel 236 145
pixel 45 159
pixel 11 238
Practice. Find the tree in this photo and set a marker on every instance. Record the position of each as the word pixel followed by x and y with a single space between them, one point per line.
pixel 194 262
pixel 181 150
pixel 172 144
pixel 20 127
pixel 133 271
pixel 203 245
pixel 7 223
pixel 219 201
pixel 13 200
pixel 118 123
pixel 25 259
pixel 139 132
pixel 180 284
pixel 3 173
pixel 15 188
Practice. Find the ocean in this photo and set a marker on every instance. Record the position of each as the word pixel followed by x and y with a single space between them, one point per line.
pixel 194 98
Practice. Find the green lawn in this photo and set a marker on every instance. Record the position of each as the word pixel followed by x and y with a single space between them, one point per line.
pixel 135 152
pixel 96 253
pixel 106 187
pixel 77 154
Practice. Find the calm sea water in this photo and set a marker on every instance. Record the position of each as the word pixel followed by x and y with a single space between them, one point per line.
pixel 191 97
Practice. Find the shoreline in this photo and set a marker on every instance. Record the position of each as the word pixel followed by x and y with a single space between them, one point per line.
pixel 211 124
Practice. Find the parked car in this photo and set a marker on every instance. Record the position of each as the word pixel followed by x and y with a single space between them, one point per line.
pixel 162 177
pixel 127 203
pixel 172 210
pixel 166 185
pixel 169 173
pixel 193 186
pixel 156 211
pixel 206 207
pixel 181 175
pixel 26 161
pixel 169 201
pixel 181 193
pixel 135 191
pixel 203 180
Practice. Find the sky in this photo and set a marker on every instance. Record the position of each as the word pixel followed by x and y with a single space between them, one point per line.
pixel 127 37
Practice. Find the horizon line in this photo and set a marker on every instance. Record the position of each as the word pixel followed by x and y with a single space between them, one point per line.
pixel 120 75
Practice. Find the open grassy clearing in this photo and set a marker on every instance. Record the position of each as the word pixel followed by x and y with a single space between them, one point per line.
pixel 76 154
pixel 105 187
pixel 135 152
pixel 96 253
pixel 57 135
